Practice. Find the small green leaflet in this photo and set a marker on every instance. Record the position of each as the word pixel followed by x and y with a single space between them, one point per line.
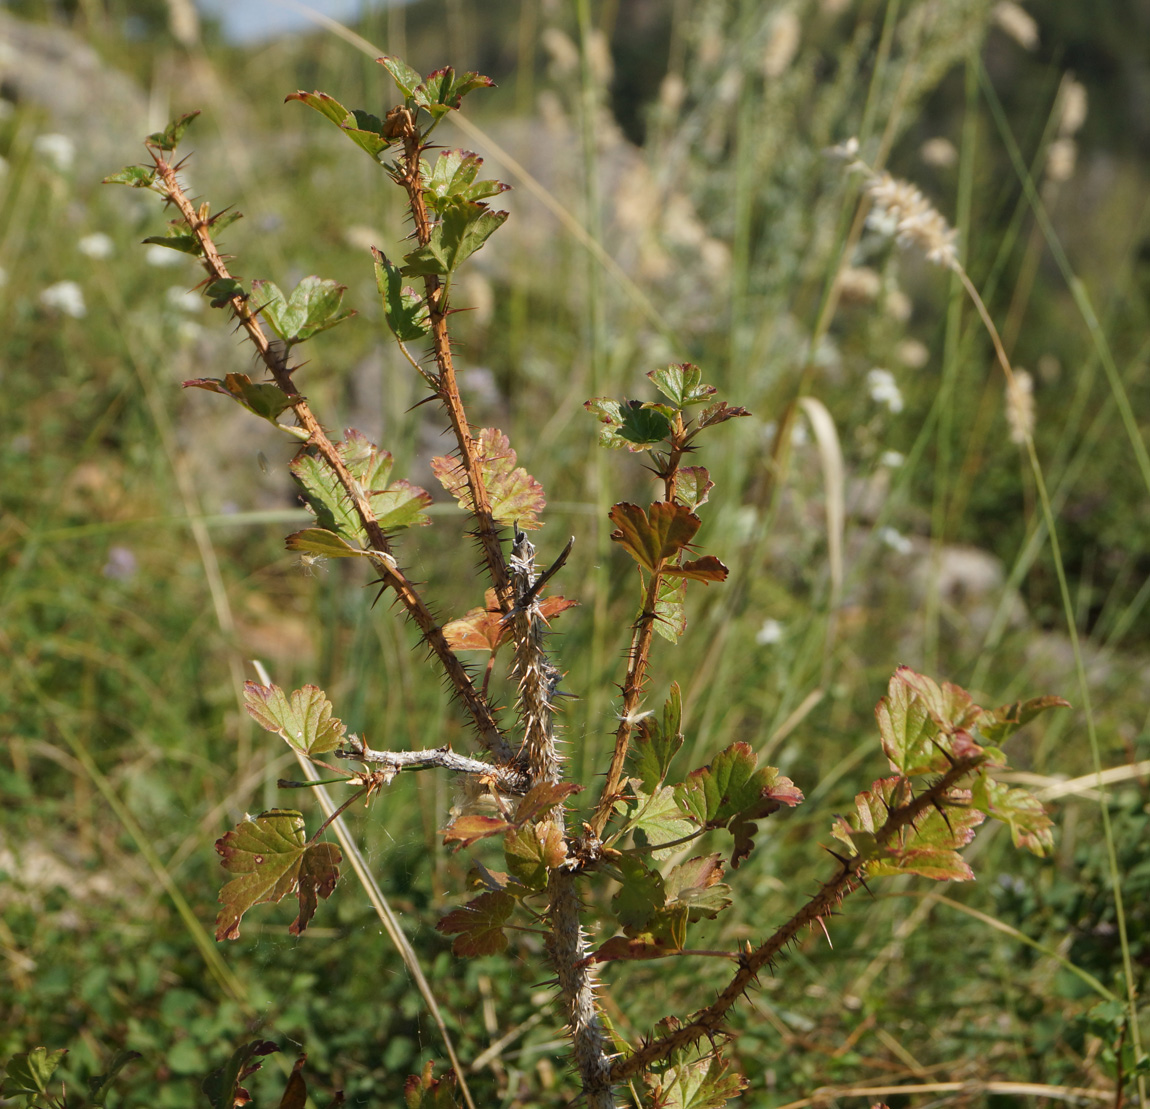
pixel 682 384
pixel 655 744
pixel 630 425
pixel 640 896
pixel 169 138
pixel 1019 810
pixel 304 719
pixel 478 926
pixel 272 858
pixel 703 1084
pixel 515 496
pixel 908 732
pixel 670 608
pixel 136 177
pixel 28 1074
pixel 441 91
pixel 396 505
pixel 532 851
pixel 403 307
pixel 453 176
pixel 463 227
pixel 693 486
pixel 364 129
pixel 183 241
pixel 312 307
pixel 265 399
pixel 656 818
pixel 1003 722
pixel 318 541
pixel 733 792
pixel 406 79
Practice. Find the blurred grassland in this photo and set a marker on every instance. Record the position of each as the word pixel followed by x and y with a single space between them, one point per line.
pixel 142 525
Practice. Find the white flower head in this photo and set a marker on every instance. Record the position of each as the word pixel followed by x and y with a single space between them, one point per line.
pixel 892 460
pixel 893 538
pixel 65 297
pixel 57 149
pixel 884 389
pixel 900 209
pixel 1020 406
pixel 769 634
pixel 96 245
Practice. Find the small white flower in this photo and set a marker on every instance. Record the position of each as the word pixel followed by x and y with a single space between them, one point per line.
pixel 58 149
pixel 884 389
pixel 66 297
pixel 162 256
pixel 939 152
pixel 769 634
pixel 96 245
pixel 1016 22
pixel 894 539
pixel 184 299
pixel 892 460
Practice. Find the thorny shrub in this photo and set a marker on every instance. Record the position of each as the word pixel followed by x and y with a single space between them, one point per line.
pixel 629 854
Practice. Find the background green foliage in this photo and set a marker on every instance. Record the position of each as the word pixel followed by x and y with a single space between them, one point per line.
pixel 141 535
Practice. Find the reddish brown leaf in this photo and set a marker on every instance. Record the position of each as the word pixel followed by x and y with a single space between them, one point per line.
pixel 652 538
pixel 706 569
pixel 479 925
pixel 644 946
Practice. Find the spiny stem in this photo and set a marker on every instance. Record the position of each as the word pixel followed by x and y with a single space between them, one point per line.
pixel 849 878
pixel 473 701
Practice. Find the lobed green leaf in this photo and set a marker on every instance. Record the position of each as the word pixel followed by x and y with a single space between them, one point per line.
pixel 304 719
pixel 312 307
pixel 273 859
pixel 463 227
pixel 515 496
pixel 169 138
pixel 404 309
pixel 264 399
pixel 682 384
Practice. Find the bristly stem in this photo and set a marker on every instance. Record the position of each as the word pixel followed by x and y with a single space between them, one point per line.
pixel 447 388
pixel 390 573
pixel 641 639
pixel 708 1021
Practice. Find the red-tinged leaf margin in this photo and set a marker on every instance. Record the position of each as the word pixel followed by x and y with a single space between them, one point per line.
pixel 651 538
pixel 469 828
pixel 478 925
pixel 515 496
pixel 272 859
pixel 304 720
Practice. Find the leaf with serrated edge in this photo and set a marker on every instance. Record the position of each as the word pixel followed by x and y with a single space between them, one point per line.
pixel 470 828
pixel 949 705
pixel 404 309
pixel 702 1084
pixel 697 884
pixel 682 384
pixel 1019 810
pixel 652 538
pixel 706 569
pixel 1002 722
pixel 534 850
pixel 321 542
pixel 640 896
pixel 657 817
pixel 515 496
pixel 264 399
pixel 543 798
pixel 928 848
pixel 643 424
pixel 406 78
pixel 671 609
pixel 312 307
pixel 272 858
pixel 327 499
pixel 610 413
pixel 463 227
pixel 719 414
pixel 28 1073
pixel 654 747
pixel 908 732
pixel 478 926
pixel 304 719
pixel 693 486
